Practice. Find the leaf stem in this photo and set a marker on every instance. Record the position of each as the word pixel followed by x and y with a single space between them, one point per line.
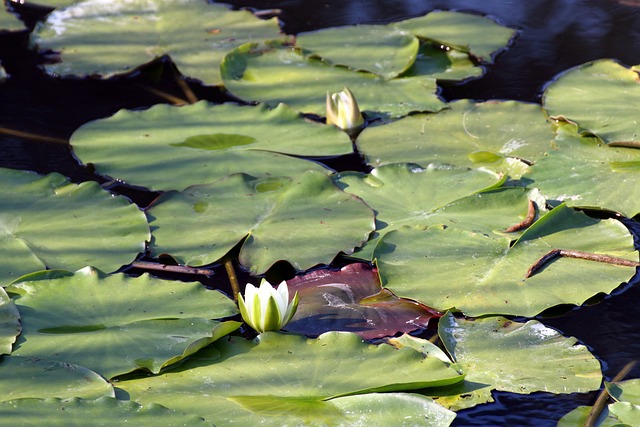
pixel 166 96
pixel 527 221
pixel 183 269
pixel 233 280
pixel 608 259
pixel 601 401
pixel 33 136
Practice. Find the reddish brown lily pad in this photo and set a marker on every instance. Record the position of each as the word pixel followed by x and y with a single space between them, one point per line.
pixel 352 299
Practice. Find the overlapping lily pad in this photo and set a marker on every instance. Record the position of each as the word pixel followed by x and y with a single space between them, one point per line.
pixel 9 322
pixel 352 300
pixel 443 64
pixel 489 269
pixel 599 96
pixel 469 134
pixel 48 222
pixel 279 216
pixel 201 143
pixel 94 37
pixel 582 171
pixel 116 324
pixel 277 73
pixel 28 377
pixel 297 372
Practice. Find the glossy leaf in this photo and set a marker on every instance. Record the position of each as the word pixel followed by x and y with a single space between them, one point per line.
pixel 48 222
pixel 9 322
pixel 203 142
pixel 94 37
pixel 277 215
pixel 468 134
pixel 106 411
pixel 478 35
pixel 378 49
pixel 276 73
pixel 597 96
pixel 352 300
pixel 443 64
pixel 519 357
pixel 583 172
pixel 489 269
pixel 116 324
pixel 28 377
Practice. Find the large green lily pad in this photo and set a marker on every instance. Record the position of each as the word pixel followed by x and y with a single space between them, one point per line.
pixel 9 322
pixel 443 64
pixel 597 96
pixel 378 49
pixel 203 142
pixel 489 269
pixel 583 172
pixel 106 411
pixel 116 324
pixel 8 21
pixel 276 73
pixel 468 134
pixel 48 222
pixel 519 357
pixel 28 377
pixel 478 35
pixel 279 216
pixel 94 37
pixel 289 367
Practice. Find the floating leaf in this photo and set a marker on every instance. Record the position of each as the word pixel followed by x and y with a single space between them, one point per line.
pixel 110 38
pixel 276 73
pixel 583 172
pixel 8 21
pixel 278 215
pixel 378 49
pixel 352 300
pixel 519 357
pixel 9 322
pixel 106 411
pixel 597 96
pixel 625 391
pixel 443 64
pixel 469 134
pixel 201 143
pixel 488 269
pixel 116 324
pixel 27 377
pixel 48 222
pixel 478 35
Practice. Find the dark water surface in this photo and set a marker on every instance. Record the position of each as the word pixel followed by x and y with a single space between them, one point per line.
pixel 553 36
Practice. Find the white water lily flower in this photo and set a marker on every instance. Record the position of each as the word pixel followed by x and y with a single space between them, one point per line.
pixel 266 308
pixel 343 111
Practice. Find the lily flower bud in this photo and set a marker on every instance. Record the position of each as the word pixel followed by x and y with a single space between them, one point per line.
pixel 266 308
pixel 343 111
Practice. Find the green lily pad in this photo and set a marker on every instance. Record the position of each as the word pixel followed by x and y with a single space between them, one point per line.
pixel 97 38
pixel 106 411
pixel 597 96
pixel 468 134
pixel 625 391
pixel 579 416
pixel 9 322
pixel 116 324
pixel 478 35
pixel 351 299
pixel 201 143
pixel 378 49
pixel 8 21
pixel 27 377
pixel 443 64
pixel 489 268
pixel 583 172
pixel 288 367
pixel 48 222
pixel 519 357
pixel 277 215
pixel 276 73
pixel 406 194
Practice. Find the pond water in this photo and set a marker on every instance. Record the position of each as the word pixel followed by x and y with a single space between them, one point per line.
pixel 553 37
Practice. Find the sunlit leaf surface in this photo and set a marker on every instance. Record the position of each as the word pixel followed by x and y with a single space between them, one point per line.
pixel 116 324
pixel 9 322
pixel 48 222
pixel 9 21
pixel 109 38
pixel 277 215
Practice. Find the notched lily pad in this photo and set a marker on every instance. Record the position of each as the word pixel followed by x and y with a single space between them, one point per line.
pixel 353 300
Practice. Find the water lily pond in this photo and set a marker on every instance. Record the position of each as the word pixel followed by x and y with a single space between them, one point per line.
pixel 444 195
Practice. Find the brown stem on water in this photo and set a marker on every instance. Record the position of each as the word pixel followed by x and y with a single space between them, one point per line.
pixel 33 136
pixel 183 269
pixel 608 259
pixel 191 97
pixel 166 96
pixel 527 221
pixel 233 280
pixel 601 401
pixel 267 12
